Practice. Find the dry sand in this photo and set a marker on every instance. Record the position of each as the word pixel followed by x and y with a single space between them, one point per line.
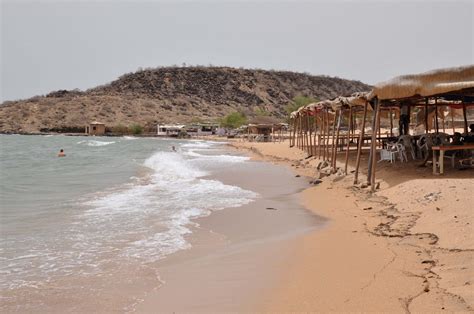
pixel 409 247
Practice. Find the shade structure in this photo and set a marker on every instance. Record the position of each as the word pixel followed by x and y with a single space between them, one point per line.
pixel 426 84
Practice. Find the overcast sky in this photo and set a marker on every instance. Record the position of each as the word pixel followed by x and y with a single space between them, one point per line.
pixel 48 46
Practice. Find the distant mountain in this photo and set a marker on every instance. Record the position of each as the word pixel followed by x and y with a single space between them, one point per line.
pixel 170 94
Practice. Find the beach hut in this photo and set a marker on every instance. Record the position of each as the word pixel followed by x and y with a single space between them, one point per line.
pixel 95 128
pixel 264 128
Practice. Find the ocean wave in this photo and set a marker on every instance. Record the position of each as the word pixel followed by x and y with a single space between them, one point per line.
pixel 198 144
pixel 172 196
pixel 95 143
pixel 217 158
pixel 130 138
pixel 170 167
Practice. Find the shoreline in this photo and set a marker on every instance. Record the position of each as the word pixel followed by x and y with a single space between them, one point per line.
pixel 237 253
pixel 387 251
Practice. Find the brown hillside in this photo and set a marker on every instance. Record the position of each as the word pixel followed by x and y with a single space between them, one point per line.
pixel 170 94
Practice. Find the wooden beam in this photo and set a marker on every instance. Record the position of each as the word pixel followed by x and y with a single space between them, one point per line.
pixel 391 122
pixel 374 149
pixel 426 115
pixel 320 129
pixel 310 129
pixel 452 120
pixel 333 137
pixel 348 139
pixel 379 142
pixel 359 144
pixel 336 140
pixel 373 141
pixel 464 113
pixel 436 116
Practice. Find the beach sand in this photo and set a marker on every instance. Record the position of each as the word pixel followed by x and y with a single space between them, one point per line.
pixel 409 247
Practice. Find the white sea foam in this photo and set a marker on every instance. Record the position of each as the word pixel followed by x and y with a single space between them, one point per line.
pixel 94 143
pixel 173 195
pixel 129 137
pixel 217 158
pixel 197 144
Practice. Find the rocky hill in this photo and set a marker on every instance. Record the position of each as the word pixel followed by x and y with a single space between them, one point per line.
pixel 171 94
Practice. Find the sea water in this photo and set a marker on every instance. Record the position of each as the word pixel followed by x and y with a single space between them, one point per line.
pixel 79 226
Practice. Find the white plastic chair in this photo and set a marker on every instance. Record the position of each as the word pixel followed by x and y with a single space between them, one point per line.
pixel 386 154
pixel 406 141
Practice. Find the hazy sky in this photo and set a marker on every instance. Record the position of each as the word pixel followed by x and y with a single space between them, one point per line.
pixel 49 45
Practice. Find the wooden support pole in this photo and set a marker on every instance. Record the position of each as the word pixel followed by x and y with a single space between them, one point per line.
pixel 374 150
pixel 323 148
pixel 426 115
pixel 373 141
pixel 310 127
pixel 315 130
pixel 354 115
pixel 306 127
pixel 320 129
pixel 336 138
pixel 452 120
pixel 443 121
pixel 391 123
pixel 295 131
pixel 436 115
pixel 298 130
pixel 328 138
pixel 292 140
pixel 301 133
pixel 333 137
pixel 359 144
pixel 308 136
pixel 464 113
pixel 379 141
pixel 348 146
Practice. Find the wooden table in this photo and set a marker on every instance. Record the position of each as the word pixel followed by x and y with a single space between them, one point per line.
pixel 441 150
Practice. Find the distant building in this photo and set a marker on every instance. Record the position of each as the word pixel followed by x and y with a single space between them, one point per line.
pixel 169 130
pixel 95 128
pixel 202 129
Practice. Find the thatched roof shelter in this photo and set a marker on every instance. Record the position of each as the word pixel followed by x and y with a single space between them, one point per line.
pixel 264 120
pixel 426 84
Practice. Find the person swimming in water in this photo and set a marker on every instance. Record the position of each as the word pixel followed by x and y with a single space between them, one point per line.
pixel 61 153
pixel 173 148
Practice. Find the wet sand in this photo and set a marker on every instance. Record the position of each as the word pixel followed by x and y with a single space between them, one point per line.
pixel 238 253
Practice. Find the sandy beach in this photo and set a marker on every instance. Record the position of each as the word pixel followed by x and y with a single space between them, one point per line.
pixel 409 247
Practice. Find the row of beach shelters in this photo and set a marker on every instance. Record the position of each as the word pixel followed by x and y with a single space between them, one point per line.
pixel 424 106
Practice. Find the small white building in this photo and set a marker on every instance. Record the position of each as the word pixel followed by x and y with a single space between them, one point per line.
pixel 202 129
pixel 169 129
